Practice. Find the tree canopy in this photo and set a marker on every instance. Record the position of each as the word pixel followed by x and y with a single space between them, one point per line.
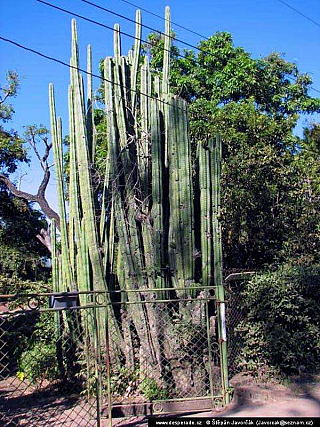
pixel 270 176
pixel 11 145
pixel 22 253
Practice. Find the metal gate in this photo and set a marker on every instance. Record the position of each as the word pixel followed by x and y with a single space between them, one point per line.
pixel 62 361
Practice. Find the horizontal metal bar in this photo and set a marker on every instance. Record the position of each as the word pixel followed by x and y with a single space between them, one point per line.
pixel 103 305
pixel 176 399
pixel 164 406
pixel 182 411
pixel 182 399
pixel 45 294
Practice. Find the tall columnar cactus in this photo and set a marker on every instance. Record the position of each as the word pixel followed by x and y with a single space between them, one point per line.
pixel 89 108
pixel 134 61
pixel 127 227
pixel 217 253
pixel 165 77
pixel 58 158
pixel 74 214
pixel 142 236
pixel 157 213
pixel 181 229
pixel 55 265
pixel 166 53
pixel 205 188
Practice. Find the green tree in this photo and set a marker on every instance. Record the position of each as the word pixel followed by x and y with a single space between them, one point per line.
pixel 22 253
pixel 302 245
pixel 254 104
pixel 11 146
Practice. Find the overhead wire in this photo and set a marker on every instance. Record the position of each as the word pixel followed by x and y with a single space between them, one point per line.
pixel 201 35
pixel 310 87
pixel 300 13
pixel 306 17
pixel 142 25
pixel 59 61
pixel 206 38
pixel 125 33
pixel 164 19
pixel 92 21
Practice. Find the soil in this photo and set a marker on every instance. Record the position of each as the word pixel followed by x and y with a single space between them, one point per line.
pixel 24 405
pixel 253 398
pixel 31 407
pixel 299 397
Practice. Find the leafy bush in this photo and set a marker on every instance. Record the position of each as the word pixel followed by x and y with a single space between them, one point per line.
pixel 152 391
pixel 282 329
pixel 39 364
pixel 122 378
pixel 36 351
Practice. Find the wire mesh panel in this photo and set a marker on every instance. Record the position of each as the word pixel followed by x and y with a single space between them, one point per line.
pixel 176 358
pixel 43 368
pixel 235 317
pixel 63 361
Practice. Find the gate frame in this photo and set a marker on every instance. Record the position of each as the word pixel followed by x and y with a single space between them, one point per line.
pixel 153 407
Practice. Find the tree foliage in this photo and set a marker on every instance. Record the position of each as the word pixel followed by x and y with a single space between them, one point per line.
pixel 11 145
pixel 281 330
pixel 270 182
pixel 21 254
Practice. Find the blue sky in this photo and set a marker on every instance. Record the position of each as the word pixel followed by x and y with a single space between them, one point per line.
pixel 260 26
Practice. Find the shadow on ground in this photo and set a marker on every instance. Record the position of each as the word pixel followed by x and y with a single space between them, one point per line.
pixel 49 406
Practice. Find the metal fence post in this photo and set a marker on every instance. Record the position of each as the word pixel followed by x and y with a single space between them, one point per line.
pixel 97 351
pixel 222 338
pixel 108 367
pixel 209 354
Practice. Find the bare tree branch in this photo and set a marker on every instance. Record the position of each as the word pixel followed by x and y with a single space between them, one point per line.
pixel 31 135
pixel 38 198
pixel 44 238
pixel 3 100
pixel 22 194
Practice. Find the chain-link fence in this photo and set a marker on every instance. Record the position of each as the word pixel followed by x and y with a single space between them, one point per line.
pixel 65 361
pixel 42 366
pixel 235 318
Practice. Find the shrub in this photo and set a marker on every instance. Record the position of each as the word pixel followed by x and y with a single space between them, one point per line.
pixel 152 391
pixel 282 329
pixel 39 364
pixel 36 350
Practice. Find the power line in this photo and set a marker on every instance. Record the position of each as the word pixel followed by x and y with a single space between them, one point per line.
pixel 96 23
pixel 201 35
pixel 59 61
pixel 124 33
pixel 69 12
pixel 164 19
pixel 299 12
pixel 65 64
pixel 142 25
pixel 310 87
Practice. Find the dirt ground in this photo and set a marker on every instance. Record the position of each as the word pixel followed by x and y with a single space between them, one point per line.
pixel 24 405
pixel 298 398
